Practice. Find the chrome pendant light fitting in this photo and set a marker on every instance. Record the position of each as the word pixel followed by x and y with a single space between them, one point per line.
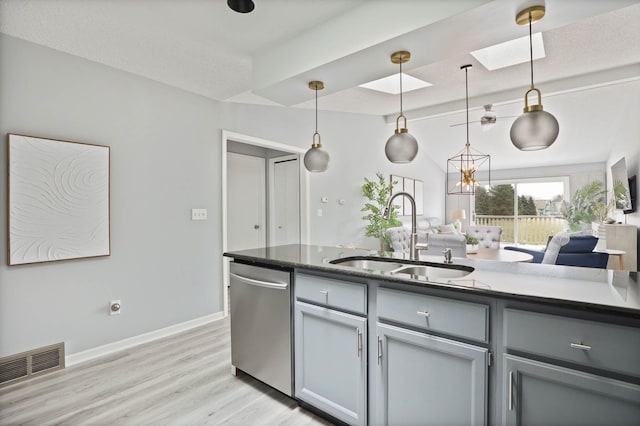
pixel 316 159
pixel 468 161
pixel 535 129
pixel 401 147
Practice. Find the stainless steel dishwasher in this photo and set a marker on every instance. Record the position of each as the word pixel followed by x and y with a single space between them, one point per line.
pixel 261 324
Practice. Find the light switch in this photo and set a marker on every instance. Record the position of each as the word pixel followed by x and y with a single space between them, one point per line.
pixel 198 214
pixel 319 212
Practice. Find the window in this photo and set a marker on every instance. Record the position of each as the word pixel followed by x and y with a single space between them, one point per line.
pixel 528 210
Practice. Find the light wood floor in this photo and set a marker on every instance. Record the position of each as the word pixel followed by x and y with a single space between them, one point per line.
pixel 184 379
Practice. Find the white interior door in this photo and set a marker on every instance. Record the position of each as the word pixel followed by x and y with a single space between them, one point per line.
pixel 284 200
pixel 246 204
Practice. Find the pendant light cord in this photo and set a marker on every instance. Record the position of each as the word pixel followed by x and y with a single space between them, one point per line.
pixel 401 87
pixel 316 90
pixel 531 49
pixel 466 94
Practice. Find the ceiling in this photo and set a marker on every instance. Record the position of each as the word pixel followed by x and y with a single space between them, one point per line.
pixel 269 55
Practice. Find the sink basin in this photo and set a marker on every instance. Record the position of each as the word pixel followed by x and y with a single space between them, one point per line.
pixel 435 272
pixel 421 270
pixel 374 264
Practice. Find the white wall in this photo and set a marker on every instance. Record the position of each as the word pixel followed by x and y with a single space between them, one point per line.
pixel 165 160
pixel 627 145
pixel 355 143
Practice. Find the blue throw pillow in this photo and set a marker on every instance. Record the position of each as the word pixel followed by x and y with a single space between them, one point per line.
pixel 580 244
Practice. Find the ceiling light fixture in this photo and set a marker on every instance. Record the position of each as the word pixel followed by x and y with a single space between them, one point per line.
pixel 241 6
pixel 468 161
pixel 316 159
pixel 401 147
pixel 488 120
pixel 535 129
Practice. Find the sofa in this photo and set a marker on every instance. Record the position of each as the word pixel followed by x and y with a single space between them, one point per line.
pixel 438 242
pixel 577 251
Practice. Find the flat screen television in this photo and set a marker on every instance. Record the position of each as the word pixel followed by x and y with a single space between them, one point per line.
pixel 633 190
pixel 624 197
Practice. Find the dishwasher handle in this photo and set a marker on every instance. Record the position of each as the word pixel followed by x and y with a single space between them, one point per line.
pixel 260 283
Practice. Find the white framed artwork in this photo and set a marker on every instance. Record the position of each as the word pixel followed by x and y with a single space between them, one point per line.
pixel 58 200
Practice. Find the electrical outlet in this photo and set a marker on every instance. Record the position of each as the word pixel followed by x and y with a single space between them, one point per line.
pixel 115 307
pixel 198 214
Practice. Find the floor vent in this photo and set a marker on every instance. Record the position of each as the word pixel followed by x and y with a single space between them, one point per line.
pixel 26 365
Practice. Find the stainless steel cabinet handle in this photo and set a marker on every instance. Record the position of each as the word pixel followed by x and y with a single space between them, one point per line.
pixel 580 346
pixel 260 283
pixel 510 390
pixel 358 342
pixel 423 314
pixel 379 349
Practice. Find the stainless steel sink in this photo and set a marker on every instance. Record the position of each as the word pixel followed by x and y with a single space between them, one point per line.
pixel 367 263
pixel 418 270
pixel 434 272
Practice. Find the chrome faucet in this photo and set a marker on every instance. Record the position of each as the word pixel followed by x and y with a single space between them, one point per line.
pixel 414 233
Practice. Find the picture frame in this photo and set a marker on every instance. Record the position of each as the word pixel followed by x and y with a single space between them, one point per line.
pixel 413 187
pixel 58 200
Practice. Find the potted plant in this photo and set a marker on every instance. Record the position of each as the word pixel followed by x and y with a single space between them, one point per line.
pixel 472 243
pixel 378 192
pixel 587 205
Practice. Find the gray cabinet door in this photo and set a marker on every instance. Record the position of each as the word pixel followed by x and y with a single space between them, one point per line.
pixel 330 361
pixel 537 393
pixel 427 380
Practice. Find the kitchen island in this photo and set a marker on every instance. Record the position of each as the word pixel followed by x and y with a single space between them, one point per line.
pixel 507 343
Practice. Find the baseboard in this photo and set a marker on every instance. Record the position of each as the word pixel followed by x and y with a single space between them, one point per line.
pixel 129 342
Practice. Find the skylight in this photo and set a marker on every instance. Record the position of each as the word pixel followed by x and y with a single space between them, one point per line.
pixel 510 52
pixel 391 84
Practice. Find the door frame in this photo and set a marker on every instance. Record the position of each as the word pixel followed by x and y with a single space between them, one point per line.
pixel 304 197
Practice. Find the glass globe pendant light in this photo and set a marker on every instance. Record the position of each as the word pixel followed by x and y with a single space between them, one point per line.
pixel 535 129
pixel 467 162
pixel 401 147
pixel 316 159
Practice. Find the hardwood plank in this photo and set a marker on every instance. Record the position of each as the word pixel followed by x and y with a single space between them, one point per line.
pixel 184 379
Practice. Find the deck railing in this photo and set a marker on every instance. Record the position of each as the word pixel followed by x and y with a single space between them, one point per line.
pixel 532 230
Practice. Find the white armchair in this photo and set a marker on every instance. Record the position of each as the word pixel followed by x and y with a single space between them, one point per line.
pixel 400 239
pixel 488 236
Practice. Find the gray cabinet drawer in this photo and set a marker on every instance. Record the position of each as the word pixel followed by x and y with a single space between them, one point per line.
pixel 453 317
pixel 599 345
pixel 334 293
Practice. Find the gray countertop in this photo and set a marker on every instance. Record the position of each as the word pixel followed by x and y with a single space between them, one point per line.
pixel 595 289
